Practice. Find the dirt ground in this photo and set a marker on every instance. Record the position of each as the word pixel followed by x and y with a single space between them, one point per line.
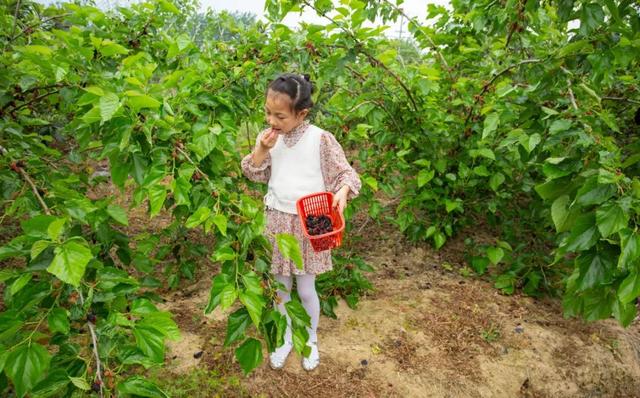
pixel 429 332
pixel 425 331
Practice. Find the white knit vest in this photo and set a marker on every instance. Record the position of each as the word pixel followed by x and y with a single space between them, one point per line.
pixel 295 171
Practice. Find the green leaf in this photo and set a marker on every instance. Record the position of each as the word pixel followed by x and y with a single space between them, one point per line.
pixel 19 283
pixel 55 228
pixel 496 180
pixel 490 124
pixel 629 250
pixel 290 248
pixel 624 313
pixel 484 152
pixel 584 234
pixel 109 104
pixel 424 176
pixel 599 304
pixel 38 247
pixel 576 47
pixel 80 382
pixel 371 182
pixel 110 49
pixel 481 170
pixel 168 6
pixel 118 213
pixel 591 16
pixel 157 195
pixel 611 218
pixel 439 239
pixel 297 313
pixel 141 387
pixel 37 226
pixel 181 189
pixel 451 205
pixel 141 101
pixel 479 264
pixel 495 254
pixel 388 55
pixel 162 322
pixel 150 341
pixel 92 116
pixel 221 222
pixel 592 93
pixel 58 321
pixel 593 193
pixel 249 355
pixel 553 188
pixel 143 306
pixel 300 338
pixel 530 142
pixel 506 282
pixel 252 282
pixel 237 323
pixel 228 296
pixel 139 167
pixel 559 212
pixel 223 254
pixel 52 385
pixel 219 283
pixel 629 288
pixel 119 171
pixel 559 126
pixel 26 365
pixel 198 217
pixel 37 50
pixel 70 261
pixel 203 145
pixel 595 269
pixel 255 304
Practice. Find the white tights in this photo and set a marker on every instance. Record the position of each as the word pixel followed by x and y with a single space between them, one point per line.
pixel 307 291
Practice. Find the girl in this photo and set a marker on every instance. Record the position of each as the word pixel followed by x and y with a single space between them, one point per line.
pixel 296 158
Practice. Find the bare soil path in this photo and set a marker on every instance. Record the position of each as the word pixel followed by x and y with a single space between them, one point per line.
pixel 428 332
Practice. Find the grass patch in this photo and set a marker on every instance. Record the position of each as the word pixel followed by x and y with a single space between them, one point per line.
pixel 197 383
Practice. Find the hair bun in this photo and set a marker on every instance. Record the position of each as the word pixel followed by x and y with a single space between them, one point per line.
pixel 307 77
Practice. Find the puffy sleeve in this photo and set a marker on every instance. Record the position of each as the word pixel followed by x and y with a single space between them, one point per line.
pixel 260 173
pixel 336 170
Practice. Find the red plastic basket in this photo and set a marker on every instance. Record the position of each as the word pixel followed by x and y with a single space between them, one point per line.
pixel 318 204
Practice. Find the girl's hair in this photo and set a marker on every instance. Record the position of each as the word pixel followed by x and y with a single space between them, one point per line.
pixel 298 87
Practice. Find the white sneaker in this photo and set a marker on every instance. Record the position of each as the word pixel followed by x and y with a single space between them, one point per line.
pixel 279 356
pixel 313 360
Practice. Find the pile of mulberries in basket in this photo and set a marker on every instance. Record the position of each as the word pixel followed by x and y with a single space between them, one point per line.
pixel 318 225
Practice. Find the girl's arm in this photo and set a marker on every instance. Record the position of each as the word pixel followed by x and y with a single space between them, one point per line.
pixel 339 176
pixel 256 166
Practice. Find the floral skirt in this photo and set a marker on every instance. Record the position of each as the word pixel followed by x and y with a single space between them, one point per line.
pixel 314 263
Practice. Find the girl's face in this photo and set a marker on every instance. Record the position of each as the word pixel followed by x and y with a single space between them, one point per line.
pixel 280 114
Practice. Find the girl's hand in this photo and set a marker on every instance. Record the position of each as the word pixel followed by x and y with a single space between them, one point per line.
pixel 268 140
pixel 340 199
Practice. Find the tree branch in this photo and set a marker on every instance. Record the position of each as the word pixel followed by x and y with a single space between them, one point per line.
pixel 30 27
pixel 375 62
pixel 34 100
pixel 431 42
pixel 94 339
pixel 18 169
pixel 13 29
pixel 372 60
pixel 571 96
pixel 206 177
pixel 621 99
pixel 497 75
pixel 35 190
